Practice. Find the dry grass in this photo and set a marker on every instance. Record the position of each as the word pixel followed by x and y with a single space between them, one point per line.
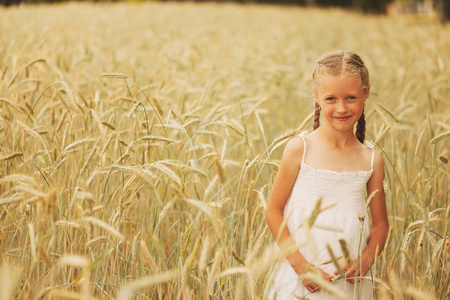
pixel 139 144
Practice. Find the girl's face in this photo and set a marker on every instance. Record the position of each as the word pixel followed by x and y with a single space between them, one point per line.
pixel 341 100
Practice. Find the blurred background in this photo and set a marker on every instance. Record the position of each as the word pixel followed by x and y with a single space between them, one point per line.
pixel 431 8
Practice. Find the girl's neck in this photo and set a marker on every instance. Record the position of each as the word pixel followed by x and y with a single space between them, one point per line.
pixel 338 139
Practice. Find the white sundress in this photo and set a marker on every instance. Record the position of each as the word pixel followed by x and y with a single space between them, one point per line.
pixel 347 219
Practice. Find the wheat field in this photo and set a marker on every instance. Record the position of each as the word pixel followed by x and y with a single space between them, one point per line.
pixel 139 143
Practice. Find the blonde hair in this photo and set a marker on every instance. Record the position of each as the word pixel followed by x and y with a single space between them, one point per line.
pixel 340 63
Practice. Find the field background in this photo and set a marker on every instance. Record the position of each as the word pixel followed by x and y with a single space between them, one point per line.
pixel 139 143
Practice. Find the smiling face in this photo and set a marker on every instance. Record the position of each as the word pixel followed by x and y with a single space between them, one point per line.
pixel 341 99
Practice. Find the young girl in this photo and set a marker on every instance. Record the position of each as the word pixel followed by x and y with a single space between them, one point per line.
pixel 331 165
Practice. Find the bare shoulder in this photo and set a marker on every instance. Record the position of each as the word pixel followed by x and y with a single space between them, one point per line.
pixel 293 152
pixel 295 145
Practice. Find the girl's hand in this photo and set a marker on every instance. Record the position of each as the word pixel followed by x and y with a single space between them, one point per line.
pixel 357 269
pixel 314 287
pixel 302 267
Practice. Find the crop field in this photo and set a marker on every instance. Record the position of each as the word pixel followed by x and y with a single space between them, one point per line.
pixel 139 144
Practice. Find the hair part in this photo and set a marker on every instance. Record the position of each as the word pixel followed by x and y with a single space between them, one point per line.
pixel 342 63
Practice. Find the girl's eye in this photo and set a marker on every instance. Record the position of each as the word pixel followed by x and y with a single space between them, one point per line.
pixel 351 98
pixel 329 99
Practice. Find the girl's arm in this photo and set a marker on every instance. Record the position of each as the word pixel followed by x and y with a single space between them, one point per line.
pixel 380 224
pixel 281 190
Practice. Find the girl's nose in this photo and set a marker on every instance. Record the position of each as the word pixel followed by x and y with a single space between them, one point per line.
pixel 342 107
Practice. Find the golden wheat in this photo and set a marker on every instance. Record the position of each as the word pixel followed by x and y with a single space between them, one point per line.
pixel 140 164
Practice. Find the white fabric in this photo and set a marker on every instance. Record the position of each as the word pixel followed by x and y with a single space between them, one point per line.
pixel 346 191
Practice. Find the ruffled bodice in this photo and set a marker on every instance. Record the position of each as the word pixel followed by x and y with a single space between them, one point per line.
pixel 343 189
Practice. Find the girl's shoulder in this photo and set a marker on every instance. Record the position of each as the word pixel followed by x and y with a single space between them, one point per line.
pixel 293 152
pixel 295 145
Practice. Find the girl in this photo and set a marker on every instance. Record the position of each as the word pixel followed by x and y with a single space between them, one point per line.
pixel 333 166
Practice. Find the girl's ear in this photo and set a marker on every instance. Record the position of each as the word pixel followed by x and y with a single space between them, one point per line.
pixel 316 96
pixel 367 92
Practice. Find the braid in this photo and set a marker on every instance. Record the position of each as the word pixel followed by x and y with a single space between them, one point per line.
pixel 361 128
pixel 316 117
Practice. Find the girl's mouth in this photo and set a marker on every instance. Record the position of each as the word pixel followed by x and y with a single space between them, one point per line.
pixel 342 119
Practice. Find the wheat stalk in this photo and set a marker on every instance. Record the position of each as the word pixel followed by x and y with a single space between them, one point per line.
pixel 384 109
pixel 78 143
pixel 440 137
pixel 213 271
pixel 12 199
pixel 183 167
pixel 103 225
pixel 131 289
pixel 11 156
pixel 10 104
pixel 113 75
pixel 164 169
pixel 30 131
pixel 89 159
pixel 155 138
pixel 134 108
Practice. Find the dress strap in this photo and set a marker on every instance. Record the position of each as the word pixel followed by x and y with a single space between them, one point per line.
pixel 370 145
pixel 302 135
pixel 371 162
